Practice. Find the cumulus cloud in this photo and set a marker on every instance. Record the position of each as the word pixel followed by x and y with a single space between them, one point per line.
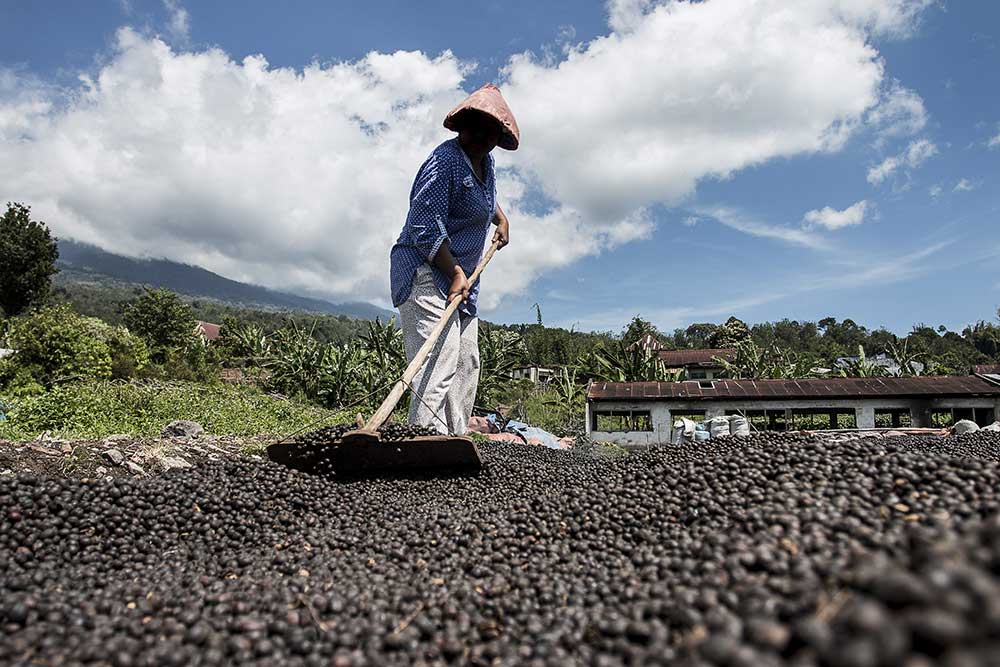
pixel 834 219
pixel 934 191
pixel 297 179
pixel 964 185
pixel 625 15
pixel 916 153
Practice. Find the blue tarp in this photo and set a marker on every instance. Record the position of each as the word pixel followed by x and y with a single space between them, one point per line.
pixel 526 431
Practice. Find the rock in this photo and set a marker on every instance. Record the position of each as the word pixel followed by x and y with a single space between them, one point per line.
pixel 183 428
pixel 134 468
pixel 118 437
pixel 115 456
pixel 169 462
pixel 100 470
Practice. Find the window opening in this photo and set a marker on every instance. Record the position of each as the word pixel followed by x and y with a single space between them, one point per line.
pixel 619 421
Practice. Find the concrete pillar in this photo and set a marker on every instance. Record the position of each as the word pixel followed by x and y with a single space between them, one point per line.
pixel 865 417
pixel 789 418
pixel 586 416
pixel 920 414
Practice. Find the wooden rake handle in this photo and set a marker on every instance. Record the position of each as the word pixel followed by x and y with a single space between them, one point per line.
pixel 389 404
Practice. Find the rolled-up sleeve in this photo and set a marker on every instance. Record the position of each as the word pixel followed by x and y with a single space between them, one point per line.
pixel 431 197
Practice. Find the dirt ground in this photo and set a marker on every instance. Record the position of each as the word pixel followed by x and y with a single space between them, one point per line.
pixel 120 455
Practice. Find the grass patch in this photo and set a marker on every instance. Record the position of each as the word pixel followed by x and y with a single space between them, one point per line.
pixel 100 409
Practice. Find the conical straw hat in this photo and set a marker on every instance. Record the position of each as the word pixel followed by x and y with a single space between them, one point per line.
pixel 489 101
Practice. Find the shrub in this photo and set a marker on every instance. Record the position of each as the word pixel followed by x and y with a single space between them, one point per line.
pixel 129 354
pixel 54 345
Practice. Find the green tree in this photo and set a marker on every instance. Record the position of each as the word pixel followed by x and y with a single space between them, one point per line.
pixel 164 321
pixel 730 334
pixel 638 329
pixel 29 259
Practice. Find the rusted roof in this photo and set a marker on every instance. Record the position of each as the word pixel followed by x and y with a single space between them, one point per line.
pixel 767 390
pixel 681 358
pixel 208 330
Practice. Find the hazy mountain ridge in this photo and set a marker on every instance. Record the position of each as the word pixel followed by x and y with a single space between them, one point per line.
pixel 80 262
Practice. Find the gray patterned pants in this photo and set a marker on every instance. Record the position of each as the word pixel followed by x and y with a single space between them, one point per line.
pixel 448 380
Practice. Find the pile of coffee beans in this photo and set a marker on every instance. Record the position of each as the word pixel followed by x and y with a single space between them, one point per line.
pixel 773 549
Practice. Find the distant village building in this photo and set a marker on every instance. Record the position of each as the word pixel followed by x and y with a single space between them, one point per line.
pixel 700 364
pixel 642 414
pixel 207 330
pixel 537 374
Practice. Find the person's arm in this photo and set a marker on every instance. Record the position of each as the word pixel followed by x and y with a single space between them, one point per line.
pixel 445 261
pixel 502 234
pixel 425 223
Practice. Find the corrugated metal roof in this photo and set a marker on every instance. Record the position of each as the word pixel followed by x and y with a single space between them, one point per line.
pixel 208 330
pixel 986 369
pixel 680 358
pixel 828 388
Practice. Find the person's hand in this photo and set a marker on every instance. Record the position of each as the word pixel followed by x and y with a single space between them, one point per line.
pixel 459 286
pixel 502 234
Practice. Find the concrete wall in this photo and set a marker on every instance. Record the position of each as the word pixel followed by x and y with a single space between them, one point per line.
pixel 661 413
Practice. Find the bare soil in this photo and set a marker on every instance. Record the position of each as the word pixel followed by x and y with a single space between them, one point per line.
pixel 121 455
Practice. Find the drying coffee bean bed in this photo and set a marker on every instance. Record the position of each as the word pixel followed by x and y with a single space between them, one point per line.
pixel 774 549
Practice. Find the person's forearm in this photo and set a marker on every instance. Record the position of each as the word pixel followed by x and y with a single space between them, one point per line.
pixel 445 261
pixel 499 216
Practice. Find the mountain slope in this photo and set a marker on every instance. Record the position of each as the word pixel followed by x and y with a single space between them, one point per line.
pixel 80 262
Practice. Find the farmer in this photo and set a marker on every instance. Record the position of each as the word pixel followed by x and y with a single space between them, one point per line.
pixel 452 204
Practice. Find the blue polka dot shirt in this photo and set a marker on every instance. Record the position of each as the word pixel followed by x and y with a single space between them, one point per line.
pixel 447 203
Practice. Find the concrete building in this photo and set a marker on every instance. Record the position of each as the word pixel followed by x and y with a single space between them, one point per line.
pixel 537 374
pixel 637 414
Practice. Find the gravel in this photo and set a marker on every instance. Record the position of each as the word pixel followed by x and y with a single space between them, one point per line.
pixel 774 549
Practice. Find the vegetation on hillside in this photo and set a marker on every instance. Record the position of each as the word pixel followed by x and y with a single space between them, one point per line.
pixel 85 357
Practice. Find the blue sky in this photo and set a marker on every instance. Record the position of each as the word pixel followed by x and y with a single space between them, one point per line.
pixel 887 131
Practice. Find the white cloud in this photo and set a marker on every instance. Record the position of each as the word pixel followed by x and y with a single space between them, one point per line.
pixel 834 219
pixel 900 112
pixel 915 154
pixel 741 222
pixel 297 179
pixel 934 191
pixel 964 185
pixel 605 144
pixel 180 26
pixel 994 141
pixel 690 221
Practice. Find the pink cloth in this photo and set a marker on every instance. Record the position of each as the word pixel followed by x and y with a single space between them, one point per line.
pixel 505 437
pixel 489 101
